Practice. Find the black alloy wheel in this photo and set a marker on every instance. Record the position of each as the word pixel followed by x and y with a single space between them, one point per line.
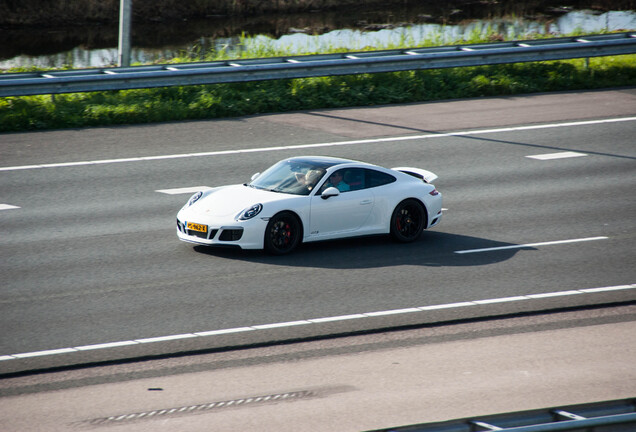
pixel 282 234
pixel 407 221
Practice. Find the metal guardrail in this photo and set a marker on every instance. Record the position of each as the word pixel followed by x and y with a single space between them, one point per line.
pixel 608 416
pixel 83 80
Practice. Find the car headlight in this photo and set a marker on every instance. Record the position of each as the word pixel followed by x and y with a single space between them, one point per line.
pixel 194 198
pixel 249 213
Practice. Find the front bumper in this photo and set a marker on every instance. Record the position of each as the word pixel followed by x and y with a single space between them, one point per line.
pixel 245 234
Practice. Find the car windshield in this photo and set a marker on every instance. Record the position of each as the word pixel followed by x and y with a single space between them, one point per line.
pixel 293 176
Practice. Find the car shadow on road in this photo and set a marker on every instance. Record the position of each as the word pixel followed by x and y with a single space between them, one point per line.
pixel 475 136
pixel 433 249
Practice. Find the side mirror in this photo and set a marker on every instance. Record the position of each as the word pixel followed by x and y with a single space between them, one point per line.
pixel 330 192
pixel 255 175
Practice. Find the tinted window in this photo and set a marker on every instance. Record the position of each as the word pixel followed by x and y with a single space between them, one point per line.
pixel 345 180
pixel 377 178
pixel 352 179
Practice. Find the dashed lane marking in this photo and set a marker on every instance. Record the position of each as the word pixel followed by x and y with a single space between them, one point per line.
pixel 184 190
pixel 560 155
pixel 548 243
pixel 319 320
pixel 8 207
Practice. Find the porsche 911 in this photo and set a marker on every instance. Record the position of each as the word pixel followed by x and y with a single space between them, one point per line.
pixel 312 198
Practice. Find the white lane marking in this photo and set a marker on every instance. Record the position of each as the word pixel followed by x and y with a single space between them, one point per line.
pixel 166 338
pixel 282 324
pixel 44 353
pixel 224 331
pixel 500 300
pixel 447 306
pixel 185 190
pixel 557 294
pixel 337 318
pixel 392 312
pixel 321 320
pixel 561 155
pixel 548 243
pixel 325 144
pixel 603 289
pixel 105 345
pixel 8 207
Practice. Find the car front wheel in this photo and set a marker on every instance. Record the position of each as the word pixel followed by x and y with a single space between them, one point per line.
pixel 282 234
pixel 407 221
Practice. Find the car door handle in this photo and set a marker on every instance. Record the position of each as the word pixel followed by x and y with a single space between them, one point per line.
pixel 364 202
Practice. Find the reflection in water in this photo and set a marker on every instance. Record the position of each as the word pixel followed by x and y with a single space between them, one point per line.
pixel 583 22
pixel 436 34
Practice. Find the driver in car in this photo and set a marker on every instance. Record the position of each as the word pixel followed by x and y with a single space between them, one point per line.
pixel 335 180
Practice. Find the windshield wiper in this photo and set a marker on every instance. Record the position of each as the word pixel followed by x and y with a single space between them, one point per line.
pixel 262 188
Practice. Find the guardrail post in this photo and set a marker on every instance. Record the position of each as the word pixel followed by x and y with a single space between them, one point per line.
pixel 123 52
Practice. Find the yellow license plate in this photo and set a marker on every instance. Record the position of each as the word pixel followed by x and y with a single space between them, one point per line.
pixel 197 227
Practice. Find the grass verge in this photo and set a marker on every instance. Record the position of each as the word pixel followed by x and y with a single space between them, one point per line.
pixel 231 100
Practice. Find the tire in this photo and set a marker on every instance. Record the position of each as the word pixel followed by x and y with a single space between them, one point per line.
pixel 408 221
pixel 283 234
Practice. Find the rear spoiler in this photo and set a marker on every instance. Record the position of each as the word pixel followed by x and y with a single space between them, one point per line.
pixel 419 173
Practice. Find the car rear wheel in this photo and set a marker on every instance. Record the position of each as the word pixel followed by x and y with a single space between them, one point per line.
pixel 407 221
pixel 282 234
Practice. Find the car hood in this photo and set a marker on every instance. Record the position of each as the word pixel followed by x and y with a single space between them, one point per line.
pixel 228 201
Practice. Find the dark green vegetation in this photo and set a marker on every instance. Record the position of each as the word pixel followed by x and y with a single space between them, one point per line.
pixel 228 100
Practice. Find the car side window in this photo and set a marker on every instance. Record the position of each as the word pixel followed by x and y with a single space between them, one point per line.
pixel 352 179
pixel 376 178
pixel 339 179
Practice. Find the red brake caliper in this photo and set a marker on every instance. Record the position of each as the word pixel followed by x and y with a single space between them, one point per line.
pixel 287 233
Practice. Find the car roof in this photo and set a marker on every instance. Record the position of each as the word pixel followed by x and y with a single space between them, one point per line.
pixel 325 161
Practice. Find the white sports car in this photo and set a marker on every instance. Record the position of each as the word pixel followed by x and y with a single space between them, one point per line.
pixel 311 198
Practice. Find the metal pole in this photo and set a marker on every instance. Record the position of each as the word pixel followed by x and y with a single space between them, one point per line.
pixel 125 13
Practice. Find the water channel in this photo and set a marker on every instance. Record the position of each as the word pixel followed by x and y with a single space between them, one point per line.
pixel 297 33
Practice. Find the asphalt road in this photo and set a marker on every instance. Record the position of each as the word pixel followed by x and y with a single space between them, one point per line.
pixel 355 383
pixel 89 254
